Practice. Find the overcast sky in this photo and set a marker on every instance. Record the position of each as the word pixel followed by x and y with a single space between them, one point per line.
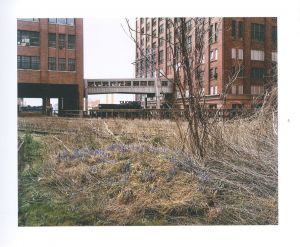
pixel 108 53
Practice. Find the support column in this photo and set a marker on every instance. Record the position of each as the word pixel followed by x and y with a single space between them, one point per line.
pixel 46 105
pixel 86 96
pixel 157 90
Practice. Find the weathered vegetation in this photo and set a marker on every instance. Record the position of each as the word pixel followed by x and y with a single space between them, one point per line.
pixel 122 172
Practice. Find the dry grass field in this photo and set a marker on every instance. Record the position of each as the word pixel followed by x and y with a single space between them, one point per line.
pixel 135 172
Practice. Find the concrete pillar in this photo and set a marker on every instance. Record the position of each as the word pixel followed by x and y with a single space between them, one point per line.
pixel 157 90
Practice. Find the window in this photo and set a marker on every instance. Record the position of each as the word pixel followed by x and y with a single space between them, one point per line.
pixel 70 21
pixel 213 56
pixel 71 41
pixel 62 64
pixel 52 40
pixel 142 30
pixel 142 20
pixel 28 19
pixel 71 64
pixel 257 55
pixel 241 30
pixel 189 25
pixel 233 89
pixel 160 42
pixel 189 43
pixel 147 39
pixel 148 26
pixel 200 75
pixel 239 70
pixel 27 62
pixel 216 32
pixel 257 73
pixel 35 62
pixel 62 21
pixel 257 89
pixel 274 35
pixel 213 33
pixel 213 73
pixel 28 38
pixel 237 53
pixel 51 63
pixel 168 23
pixel 61 41
pixel 233 28
pixel 274 56
pixel 169 37
pixel 161 28
pixel 142 41
pixel 161 57
pixel 257 32
pixel 153 22
pixel 240 89
pixel 154 45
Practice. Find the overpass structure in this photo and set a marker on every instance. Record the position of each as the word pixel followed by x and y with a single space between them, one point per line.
pixel 150 86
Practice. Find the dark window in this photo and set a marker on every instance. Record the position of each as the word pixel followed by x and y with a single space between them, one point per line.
pixel 200 75
pixel 161 57
pixel 257 32
pixel 142 30
pixel 274 35
pixel 27 62
pixel 213 74
pixel 62 64
pixel 189 43
pixel 19 62
pixel 257 73
pixel 189 25
pixel 241 29
pixel 28 38
pixel 71 64
pixel 153 22
pixel 211 33
pixel 161 28
pixel 216 32
pixel 168 23
pixel 240 72
pixel 154 45
pixel 148 26
pixel 35 62
pixel 71 41
pixel 61 41
pixel 51 63
pixel 142 20
pixel 52 40
pixel 233 28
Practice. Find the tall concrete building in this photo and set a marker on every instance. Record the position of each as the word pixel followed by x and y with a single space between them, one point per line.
pixel 50 61
pixel 250 43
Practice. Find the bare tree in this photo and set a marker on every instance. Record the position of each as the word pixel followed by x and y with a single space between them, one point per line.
pixel 186 49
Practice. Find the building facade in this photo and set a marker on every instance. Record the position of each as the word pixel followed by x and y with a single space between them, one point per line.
pixel 50 61
pixel 244 45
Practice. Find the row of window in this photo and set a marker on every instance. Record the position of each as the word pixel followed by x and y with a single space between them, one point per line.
pixel 257 31
pixel 33 62
pixel 32 38
pixel 61 21
pixel 28 38
pixel 52 41
pixel 256 55
pixel 61 64
pixel 29 62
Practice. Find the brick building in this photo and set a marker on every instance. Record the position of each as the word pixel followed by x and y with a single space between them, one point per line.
pixel 244 43
pixel 50 61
